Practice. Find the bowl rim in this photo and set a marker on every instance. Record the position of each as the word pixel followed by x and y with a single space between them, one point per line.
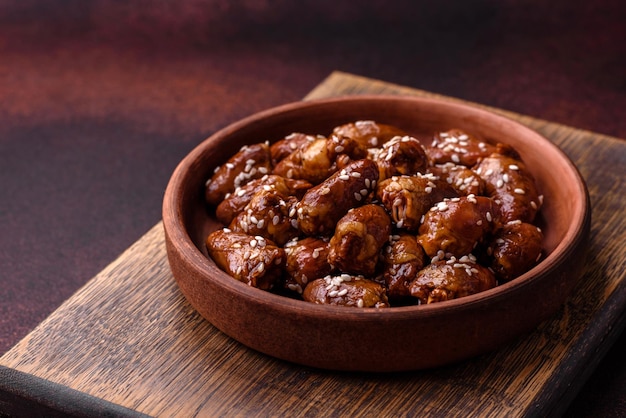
pixel 196 260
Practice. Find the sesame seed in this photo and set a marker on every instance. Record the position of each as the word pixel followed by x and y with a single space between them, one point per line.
pixel 519 191
pixel 260 224
pixel 339 148
pixel 364 192
pixel 499 183
pixel 368 183
pixel 505 177
pixel 227 230
pixel 455 158
pixel 428 189
pixel 253 243
pixel 488 216
pixel 230 166
pixel 344 177
pixel 358 196
pixel 324 191
pixel 355 174
pixel 359 303
pixel 275 220
pixel 513 167
pixel 533 204
pixel 342 292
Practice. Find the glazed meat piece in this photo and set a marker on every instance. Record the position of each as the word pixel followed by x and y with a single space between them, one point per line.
pixel 457 225
pixel 451 279
pixel 251 162
pixel 236 201
pixel 408 198
pixel 251 260
pixel 306 260
pixel 401 155
pixel 281 149
pixel 403 259
pixel 323 205
pixel 458 147
pixel 320 158
pixel 346 290
pixel 368 133
pixel 510 184
pixel 359 236
pixel 462 179
pixel 515 249
pixel 345 146
pixel 311 163
pixel 268 215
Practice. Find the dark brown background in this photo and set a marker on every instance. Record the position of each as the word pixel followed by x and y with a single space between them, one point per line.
pixel 100 99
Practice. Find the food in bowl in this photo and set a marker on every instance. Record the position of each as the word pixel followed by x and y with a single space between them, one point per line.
pixel 399 338
pixel 372 216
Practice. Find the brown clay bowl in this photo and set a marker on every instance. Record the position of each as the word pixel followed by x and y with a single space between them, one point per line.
pixel 397 338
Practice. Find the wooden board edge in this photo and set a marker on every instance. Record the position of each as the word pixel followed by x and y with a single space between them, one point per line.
pixel 572 374
pixel 22 394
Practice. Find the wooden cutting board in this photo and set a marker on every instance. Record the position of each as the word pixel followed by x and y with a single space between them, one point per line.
pixel 129 343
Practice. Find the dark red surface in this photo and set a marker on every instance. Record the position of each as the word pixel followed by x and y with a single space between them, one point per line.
pixel 100 99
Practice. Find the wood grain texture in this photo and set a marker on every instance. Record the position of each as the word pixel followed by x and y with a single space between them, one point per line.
pixel 129 337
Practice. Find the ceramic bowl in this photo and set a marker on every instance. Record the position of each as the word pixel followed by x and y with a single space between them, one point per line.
pixel 397 338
